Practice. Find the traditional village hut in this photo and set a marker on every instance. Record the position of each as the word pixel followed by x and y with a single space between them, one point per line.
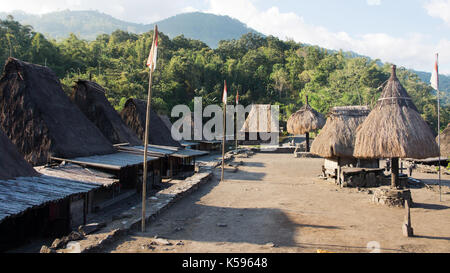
pixel 394 129
pixel 185 143
pixel 41 120
pixel 160 139
pixel 259 121
pixel 304 121
pixel 134 115
pixel 166 121
pixel 337 138
pixel 445 142
pixel 90 98
pixel 34 205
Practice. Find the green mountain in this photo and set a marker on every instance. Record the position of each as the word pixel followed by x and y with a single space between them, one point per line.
pixel 208 28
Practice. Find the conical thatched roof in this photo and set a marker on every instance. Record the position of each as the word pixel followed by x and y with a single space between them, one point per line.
pixel 90 98
pixel 12 163
pixel 259 120
pixel 166 121
pixel 305 120
pixel 337 137
pixel 445 142
pixel 394 128
pixel 134 115
pixel 40 119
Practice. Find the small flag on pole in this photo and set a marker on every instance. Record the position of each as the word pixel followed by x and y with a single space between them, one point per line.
pixel 435 76
pixel 151 62
pixel 224 98
pixel 237 97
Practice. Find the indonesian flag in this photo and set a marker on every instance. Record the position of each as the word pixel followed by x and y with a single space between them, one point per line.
pixel 435 76
pixel 237 97
pixel 224 98
pixel 151 62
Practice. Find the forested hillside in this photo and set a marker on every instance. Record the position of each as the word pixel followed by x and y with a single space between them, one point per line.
pixel 262 69
pixel 88 24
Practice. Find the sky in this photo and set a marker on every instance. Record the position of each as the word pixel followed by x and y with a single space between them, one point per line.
pixel 405 32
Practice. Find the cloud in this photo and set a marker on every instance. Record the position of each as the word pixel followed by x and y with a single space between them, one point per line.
pixel 439 9
pixel 412 51
pixel 373 2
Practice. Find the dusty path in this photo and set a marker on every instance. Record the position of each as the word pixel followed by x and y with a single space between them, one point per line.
pixel 275 199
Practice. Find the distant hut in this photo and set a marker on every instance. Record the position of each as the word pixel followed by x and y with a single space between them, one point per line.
pixel 90 98
pixel 166 121
pixel 337 138
pixel 259 120
pixel 304 121
pixel 134 115
pixel 41 120
pixel 34 205
pixel 445 142
pixel 394 129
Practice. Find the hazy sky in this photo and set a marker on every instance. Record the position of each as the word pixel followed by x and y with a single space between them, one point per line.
pixel 405 32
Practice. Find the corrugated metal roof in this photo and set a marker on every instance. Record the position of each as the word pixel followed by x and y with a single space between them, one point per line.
pixel 115 161
pixel 23 193
pixel 188 143
pixel 189 153
pixel 181 153
pixel 78 173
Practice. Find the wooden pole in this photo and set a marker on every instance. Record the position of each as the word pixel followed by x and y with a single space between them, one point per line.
pixel 236 134
pixel 147 125
pixel 438 131
pixel 307 142
pixel 223 141
pixel 394 172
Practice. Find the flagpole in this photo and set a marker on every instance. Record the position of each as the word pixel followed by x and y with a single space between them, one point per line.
pixel 439 128
pixel 147 125
pixel 223 139
pixel 236 121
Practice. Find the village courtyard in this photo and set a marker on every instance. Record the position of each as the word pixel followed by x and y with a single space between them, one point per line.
pixel 277 203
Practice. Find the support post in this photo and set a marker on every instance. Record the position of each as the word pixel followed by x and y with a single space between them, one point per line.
pixel 307 142
pixel 394 173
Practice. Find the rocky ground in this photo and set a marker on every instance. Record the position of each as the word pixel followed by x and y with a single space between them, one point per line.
pixel 276 203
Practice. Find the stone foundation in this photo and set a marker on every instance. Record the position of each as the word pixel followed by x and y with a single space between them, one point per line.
pixel 305 155
pixel 392 197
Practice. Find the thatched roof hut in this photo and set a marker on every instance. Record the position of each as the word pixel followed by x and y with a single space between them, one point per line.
pixel 166 121
pixel 304 121
pixel 134 115
pixel 12 163
pixel 41 120
pixel 337 137
pixel 445 142
pixel 394 128
pixel 259 120
pixel 90 98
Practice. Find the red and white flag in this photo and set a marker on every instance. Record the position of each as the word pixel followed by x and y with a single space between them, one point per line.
pixel 435 76
pixel 151 62
pixel 237 97
pixel 224 97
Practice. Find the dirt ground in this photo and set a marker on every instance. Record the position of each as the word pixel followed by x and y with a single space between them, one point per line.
pixel 276 203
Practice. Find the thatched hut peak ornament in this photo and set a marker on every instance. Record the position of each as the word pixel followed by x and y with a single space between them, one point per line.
pixel 304 121
pixel 394 129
